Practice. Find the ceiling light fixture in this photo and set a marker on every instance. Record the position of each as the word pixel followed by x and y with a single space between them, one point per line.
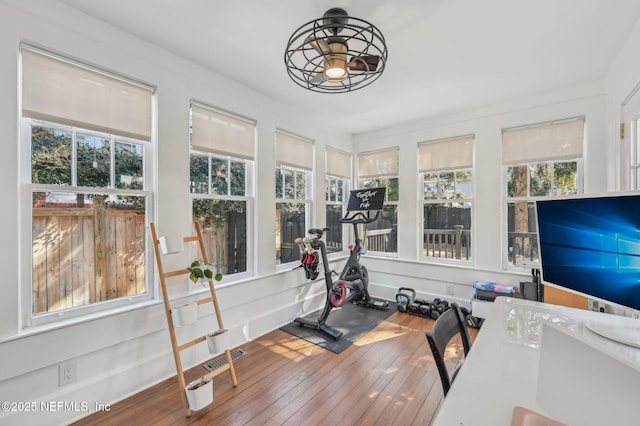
pixel 336 53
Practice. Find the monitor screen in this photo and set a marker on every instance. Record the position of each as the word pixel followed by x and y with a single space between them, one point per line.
pixel 591 245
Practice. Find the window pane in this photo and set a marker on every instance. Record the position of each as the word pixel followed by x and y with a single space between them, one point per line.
pixel 50 156
pixel 393 189
pixel 430 186
pixel 83 251
pixel 464 185
pixel 94 161
pixel 382 235
pixel 290 224
pixel 279 184
pixel 373 183
pixel 635 144
pixel 522 241
pixel 447 230
pixel 340 190
pixel 540 179
pixel 129 165
pixel 446 185
pixel 333 236
pixel 199 171
pixel 238 178
pixel 289 184
pixel 219 176
pixel 565 178
pixel 517 181
pixel 331 189
pixel 225 233
pixel 301 185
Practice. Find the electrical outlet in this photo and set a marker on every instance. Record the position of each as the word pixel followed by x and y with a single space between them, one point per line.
pixel 66 373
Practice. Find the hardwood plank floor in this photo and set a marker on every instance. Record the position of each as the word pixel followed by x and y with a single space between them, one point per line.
pixel 387 377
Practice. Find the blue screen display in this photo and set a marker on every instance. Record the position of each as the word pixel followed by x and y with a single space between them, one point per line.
pixel 592 245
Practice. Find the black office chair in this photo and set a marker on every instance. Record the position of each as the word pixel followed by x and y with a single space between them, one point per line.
pixel 448 325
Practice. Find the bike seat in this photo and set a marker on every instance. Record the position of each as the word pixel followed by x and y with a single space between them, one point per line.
pixel 317 231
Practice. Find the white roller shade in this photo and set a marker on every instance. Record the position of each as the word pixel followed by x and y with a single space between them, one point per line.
pixel 338 163
pixel 449 154
pixel 64 92
pixel 378 163
pixel 559 140
pixel 221 133
pixel 293 151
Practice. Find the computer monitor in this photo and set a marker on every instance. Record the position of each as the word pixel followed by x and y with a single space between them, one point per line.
pixel 591 245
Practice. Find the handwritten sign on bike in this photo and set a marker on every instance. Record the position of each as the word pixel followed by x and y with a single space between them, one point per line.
pixel 366 199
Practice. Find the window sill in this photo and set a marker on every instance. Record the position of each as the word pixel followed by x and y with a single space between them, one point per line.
pixel 58 325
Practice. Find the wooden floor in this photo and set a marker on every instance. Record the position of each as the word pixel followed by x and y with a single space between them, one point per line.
pixel 387 377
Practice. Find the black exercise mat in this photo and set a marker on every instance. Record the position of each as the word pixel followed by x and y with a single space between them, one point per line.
pixel 354 321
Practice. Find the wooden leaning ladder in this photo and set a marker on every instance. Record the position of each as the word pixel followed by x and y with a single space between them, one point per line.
pixel 177 348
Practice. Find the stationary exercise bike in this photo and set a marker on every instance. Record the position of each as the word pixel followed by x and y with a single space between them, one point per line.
pixel 352 284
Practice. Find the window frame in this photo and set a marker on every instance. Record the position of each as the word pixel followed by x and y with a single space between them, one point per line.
pixel 222 135
pixel 116 127
pixel 508 265
pixel 294 154
pixel 469 259
pixel 634 155
pixel 535 144
pixel 248 199
pixel 345 230
pixel 372 167
pixel 27 189
pixel 307 201
pixel 362 184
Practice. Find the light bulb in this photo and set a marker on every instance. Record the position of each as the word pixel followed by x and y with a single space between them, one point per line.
pixel 335 63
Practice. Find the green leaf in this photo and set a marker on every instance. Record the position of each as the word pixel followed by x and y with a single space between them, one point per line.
pixel 208 273
pixel 218 276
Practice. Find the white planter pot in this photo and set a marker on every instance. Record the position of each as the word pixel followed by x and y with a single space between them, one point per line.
pixel 185 314
pixel 218 341
pixel 200 397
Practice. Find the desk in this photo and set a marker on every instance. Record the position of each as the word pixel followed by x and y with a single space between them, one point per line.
pixel 543 358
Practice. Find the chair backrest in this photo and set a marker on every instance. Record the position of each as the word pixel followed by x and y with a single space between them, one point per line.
pixel 448 325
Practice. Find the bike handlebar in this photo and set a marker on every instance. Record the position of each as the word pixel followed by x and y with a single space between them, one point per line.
pixel 360 217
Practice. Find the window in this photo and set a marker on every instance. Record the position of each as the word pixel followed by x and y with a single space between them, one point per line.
pixel 294 166
pixel 543 160
pixel 86 140
pixel 376 170
pixel 447 175
pixel 338 167
pixel 221 184
pixel 635 154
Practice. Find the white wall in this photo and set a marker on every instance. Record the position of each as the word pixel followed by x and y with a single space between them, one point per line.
pixel 621 81
pixel 455 282
pixel 124 352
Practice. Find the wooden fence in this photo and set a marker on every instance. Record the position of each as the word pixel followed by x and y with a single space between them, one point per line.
pixel 523 248
pixel 380 240
pixel 226 244
pixel 86 255
pixel 448 243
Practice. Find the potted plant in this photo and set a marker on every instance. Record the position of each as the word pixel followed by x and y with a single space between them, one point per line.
pixel 218 341
pixel 199 271
pixel 199 393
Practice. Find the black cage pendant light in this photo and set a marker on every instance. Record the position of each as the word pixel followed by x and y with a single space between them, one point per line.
pixel 336 53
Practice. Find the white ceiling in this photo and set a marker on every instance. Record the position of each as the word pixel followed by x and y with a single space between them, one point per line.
pixel 445 56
